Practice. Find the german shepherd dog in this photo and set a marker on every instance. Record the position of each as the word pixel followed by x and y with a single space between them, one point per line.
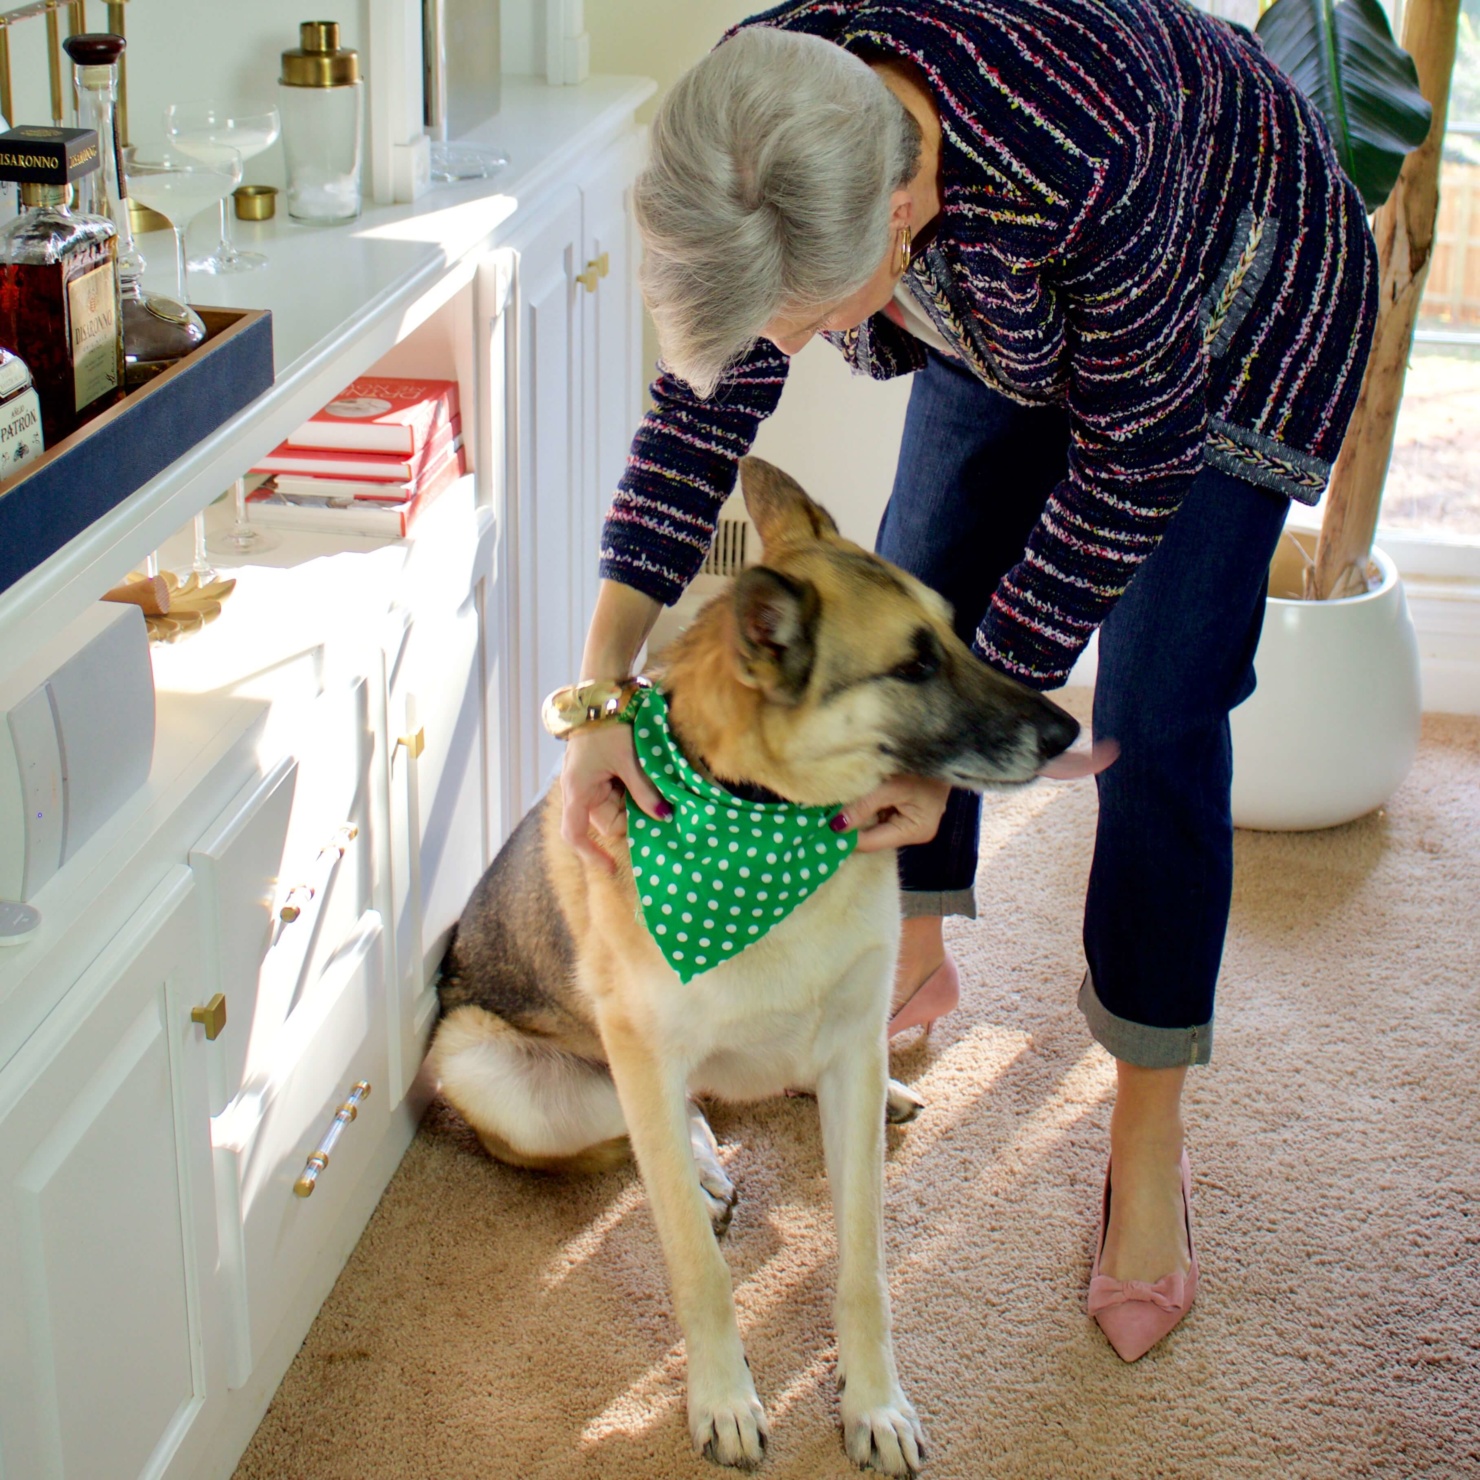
pixel 565 1035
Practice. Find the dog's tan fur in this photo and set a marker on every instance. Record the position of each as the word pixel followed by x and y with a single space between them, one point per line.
pixel 565 1030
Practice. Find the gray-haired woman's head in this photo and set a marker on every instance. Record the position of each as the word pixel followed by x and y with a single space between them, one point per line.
pixel 768 187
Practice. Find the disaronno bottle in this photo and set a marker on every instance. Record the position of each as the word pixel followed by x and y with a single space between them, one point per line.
pixel 59 307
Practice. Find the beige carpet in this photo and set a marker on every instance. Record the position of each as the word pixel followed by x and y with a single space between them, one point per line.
pixel 498 1324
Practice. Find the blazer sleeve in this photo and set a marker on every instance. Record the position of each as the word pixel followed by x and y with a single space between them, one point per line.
pixel 1136 396
pixel 680 471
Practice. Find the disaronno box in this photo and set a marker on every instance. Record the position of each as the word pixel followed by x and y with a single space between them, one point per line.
pixel 82 477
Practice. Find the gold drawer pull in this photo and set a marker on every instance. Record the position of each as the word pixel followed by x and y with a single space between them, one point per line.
pixel 306 1183
pixel 414 743
pixel 300 894
pixel 596 269
pixel 296 902
pixel 211 1017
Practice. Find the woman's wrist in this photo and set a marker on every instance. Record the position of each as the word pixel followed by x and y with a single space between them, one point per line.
pixel 619 627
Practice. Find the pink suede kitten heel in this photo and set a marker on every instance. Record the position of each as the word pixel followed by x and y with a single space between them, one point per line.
pixel 932 999
pixel 1134 1314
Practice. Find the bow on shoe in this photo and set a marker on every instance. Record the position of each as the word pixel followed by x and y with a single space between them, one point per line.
pixel 1167 1292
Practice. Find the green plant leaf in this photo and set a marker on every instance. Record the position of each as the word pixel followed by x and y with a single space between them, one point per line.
pixel 1343 57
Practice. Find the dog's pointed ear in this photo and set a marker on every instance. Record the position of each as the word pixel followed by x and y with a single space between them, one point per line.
pixel 775 628
pixel 780 509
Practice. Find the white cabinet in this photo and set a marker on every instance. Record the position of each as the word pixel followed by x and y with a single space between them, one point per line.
pixel 106 1320
pixel 175 1200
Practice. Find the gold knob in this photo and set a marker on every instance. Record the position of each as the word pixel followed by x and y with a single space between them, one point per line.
pixel 212 1017
pixel 414 743
pixel 596 269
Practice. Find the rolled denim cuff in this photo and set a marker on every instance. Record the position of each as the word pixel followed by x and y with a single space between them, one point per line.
pixel 1135 1043
pixel 937 902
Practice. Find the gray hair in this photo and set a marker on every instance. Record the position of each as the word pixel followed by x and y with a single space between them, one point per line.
pixel 767 188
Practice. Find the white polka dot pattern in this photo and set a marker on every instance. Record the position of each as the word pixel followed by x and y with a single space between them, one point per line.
pixel 720 872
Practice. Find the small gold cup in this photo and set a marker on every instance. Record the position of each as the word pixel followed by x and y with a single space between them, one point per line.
pixel 255 202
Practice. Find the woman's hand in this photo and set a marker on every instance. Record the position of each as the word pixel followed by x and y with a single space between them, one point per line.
pixel 600 770
pixel 904 810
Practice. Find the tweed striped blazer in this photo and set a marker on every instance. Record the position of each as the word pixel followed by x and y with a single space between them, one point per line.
pixel 1141 220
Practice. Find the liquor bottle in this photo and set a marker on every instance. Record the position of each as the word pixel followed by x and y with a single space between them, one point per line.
pixel 157 330
pixel 20 417
pixel 59 308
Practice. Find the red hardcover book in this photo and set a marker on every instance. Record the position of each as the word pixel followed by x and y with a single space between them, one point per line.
pixel 336 513
pixel 381 413
pixel 374 489
pixel 364 467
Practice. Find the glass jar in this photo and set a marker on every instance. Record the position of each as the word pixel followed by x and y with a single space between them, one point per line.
pixel 321 99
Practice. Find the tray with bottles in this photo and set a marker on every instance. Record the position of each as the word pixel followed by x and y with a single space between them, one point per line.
pixel 53 499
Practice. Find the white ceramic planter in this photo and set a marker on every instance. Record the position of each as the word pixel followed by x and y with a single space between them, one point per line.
pixel 1333 727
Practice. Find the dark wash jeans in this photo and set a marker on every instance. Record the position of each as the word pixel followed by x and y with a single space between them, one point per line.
pixel 1176 655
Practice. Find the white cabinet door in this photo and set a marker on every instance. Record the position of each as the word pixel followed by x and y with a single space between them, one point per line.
pixel 612 344
pixel 104 1168
pixel 547 500
pixel 438 774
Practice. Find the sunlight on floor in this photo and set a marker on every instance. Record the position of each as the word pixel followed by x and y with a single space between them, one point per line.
pixel 588 1242
pixel 1080 1092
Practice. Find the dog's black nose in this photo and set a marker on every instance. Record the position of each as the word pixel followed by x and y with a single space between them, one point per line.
pixel 1057 731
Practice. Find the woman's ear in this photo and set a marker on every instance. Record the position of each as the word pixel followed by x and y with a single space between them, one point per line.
pixel 901 210
pixel 775 627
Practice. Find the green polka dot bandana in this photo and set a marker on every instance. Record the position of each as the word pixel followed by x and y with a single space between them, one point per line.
pixel 720 872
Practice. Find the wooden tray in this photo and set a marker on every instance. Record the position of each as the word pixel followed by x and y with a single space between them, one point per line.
pixel 102 463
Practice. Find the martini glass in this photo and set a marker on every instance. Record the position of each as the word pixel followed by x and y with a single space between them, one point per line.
pixel 180 186
pixel 243 537
pixel 204 130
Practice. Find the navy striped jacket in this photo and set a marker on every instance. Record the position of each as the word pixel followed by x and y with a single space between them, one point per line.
pixel 1142 220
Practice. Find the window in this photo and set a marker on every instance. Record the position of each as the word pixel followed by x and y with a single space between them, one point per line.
pixel 1433 485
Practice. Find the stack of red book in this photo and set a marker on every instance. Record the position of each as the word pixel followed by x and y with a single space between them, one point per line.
pixel 369 462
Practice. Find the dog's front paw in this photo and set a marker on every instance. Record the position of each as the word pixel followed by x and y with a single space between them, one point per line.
pixel 885 1436
pixel 729 1430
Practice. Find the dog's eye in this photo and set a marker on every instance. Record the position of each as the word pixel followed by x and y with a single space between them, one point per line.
pixel 918 669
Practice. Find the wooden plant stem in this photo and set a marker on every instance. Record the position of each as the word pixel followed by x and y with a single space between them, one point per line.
pixel 1404 228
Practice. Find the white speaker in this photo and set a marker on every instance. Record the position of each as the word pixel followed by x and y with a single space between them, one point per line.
pixel 76 741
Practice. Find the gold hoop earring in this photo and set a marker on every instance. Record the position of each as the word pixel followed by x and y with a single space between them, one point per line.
pixel 904 251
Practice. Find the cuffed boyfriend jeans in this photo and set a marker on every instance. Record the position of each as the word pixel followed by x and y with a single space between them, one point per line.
pixel 1176 655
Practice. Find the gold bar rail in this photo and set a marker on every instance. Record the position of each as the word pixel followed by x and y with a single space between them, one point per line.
pixel 76 25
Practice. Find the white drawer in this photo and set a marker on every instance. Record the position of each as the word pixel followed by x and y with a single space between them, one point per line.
pixel 271 1236
pixel 332 741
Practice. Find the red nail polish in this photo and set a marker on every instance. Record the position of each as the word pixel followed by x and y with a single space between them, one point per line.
pixel 665 811
pixel 839 823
